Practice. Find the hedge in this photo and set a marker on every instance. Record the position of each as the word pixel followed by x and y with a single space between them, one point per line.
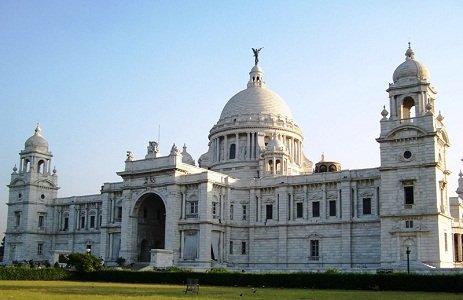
pixel 346 281
pixel 26 273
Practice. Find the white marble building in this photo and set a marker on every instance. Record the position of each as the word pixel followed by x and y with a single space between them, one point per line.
pixel 254 201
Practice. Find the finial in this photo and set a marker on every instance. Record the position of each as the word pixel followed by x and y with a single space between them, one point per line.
pixel 256 54
pixel 409 54
pixel 38 130
pixel 384 113
pixel 323 156
pixel 15 169
pixel 440 118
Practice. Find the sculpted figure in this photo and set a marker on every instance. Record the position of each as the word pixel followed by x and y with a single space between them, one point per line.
pixel 130 156
pixel 256 54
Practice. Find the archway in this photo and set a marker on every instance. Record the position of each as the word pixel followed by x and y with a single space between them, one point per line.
pixel 151 221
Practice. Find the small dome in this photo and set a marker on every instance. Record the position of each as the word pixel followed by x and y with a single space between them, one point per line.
pixel 275 145
pixel 324 166
pixel 186 157
pixel 37 141
pixel 411 68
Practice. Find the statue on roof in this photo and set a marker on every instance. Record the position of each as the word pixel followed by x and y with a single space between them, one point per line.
pixel 256 54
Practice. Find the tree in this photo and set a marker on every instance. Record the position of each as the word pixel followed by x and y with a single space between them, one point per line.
pixel 84 262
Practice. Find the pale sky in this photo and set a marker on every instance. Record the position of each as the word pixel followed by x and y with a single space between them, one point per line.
pixel 102 76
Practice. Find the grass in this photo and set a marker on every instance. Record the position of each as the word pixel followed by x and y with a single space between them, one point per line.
pixel 50 290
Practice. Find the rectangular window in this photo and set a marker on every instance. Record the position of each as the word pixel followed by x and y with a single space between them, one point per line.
pixel 66 223
pixel 231 211
pixel 243 248
pixel 39 248
pixel 299 210
pixel 92 221
pixel 17 216
pixel 409 224
pixel 119 213
pixel 314 250
pixel 332 208
pixel 316 209
pixel 366 206
pixel 244 212
pixel 82 222
pixel 214 209
pixel 231 247
pixel 193 209
pixel 269 212
pixel 41 221
pixel 408 194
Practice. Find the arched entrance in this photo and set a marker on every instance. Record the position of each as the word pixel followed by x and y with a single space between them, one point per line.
pixel 151 221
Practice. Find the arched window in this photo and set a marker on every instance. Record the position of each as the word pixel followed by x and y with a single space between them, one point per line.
pixel 41 167
pixel 27 165
pixel 332 168
pixel 277 166
pixel 232 151
pixel 270 166
pixel 323 169
pixel 407 108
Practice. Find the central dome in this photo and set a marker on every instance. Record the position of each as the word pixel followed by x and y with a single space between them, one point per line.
pixel 255 100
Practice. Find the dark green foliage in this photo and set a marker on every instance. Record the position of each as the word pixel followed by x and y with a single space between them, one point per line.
pixel 120 261
pixel 346 281
pixel 2 249
pixel 83 262
pixel 26 273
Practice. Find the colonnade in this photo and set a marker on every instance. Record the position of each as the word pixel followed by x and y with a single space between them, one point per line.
pixel 250 148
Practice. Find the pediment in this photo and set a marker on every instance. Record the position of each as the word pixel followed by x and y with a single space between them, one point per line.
pixel 406 132
pixel 45 184
pixel 17 182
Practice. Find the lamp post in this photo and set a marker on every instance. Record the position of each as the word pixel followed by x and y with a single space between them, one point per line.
pixel 408 259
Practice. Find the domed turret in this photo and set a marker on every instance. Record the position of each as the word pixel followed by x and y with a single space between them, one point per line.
pixel 36 142
pixel 327 166
pixel 186 157
pixel 275 145
pixel 410 69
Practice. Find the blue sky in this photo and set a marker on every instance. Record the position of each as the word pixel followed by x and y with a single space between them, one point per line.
pixel 102 76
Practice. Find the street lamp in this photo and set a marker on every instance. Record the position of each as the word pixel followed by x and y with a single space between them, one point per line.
pixel 88 250
pixel 408 259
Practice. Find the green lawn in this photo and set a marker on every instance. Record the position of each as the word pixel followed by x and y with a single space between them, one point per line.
pixel 50 290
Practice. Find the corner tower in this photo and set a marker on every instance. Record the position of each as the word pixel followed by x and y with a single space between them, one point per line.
pixel 413 194
pixel 248 123
pixel 32 189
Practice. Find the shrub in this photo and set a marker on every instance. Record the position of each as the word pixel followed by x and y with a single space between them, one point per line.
pixel 120 261
pixel 84 262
